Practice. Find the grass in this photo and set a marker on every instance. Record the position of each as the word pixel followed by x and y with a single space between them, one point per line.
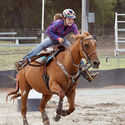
pixel 7 62
pixel 113 63
pixel 9 55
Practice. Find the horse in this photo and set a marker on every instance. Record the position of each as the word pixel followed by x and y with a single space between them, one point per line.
pixel 60 73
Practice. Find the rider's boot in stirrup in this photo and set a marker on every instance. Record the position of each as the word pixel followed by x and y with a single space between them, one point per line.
pixel 89 75
pixel 20 64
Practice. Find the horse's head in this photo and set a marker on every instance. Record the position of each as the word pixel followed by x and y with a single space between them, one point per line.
pixel 88 49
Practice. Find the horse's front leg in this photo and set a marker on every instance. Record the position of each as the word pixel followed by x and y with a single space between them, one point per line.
pixel 55 88
pixel 71 100
pixel 59 110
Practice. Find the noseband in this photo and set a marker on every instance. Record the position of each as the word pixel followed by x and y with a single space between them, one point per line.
pixel 83 51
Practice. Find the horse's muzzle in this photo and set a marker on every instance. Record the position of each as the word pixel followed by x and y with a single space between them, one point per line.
pixel 95 64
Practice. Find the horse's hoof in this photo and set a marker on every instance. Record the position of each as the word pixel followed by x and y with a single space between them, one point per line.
pixel 57 118
pixel 64 113
pixel 25 121
pixel 45 118
pixel 46 122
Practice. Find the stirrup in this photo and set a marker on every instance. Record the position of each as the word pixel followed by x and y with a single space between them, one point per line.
pixel 89 75
pixel 90 78
pixel 94 75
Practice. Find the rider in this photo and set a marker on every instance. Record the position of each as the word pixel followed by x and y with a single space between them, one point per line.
pixel 55 34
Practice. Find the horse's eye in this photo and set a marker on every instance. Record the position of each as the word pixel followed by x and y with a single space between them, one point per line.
pixel 86 45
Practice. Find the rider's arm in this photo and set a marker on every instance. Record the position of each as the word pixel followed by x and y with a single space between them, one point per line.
pixel 51 30
pixel 75 29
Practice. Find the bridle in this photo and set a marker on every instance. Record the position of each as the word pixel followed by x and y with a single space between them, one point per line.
pixel 87 56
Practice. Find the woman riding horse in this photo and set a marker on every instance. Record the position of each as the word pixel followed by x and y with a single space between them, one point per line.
pixel 56 35
pixel 61 80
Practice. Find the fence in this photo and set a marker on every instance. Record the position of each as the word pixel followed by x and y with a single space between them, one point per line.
pixel 104 79
pixel 9 53
pixel 10 36
pixel 109 72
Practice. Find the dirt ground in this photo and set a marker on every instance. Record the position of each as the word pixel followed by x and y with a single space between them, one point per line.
pixel 105 106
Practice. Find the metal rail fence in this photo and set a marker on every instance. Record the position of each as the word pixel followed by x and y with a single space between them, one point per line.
pixel 11 52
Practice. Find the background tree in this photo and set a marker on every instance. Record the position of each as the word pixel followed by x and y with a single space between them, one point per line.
pixel 104 12
pixel 20 13
pixel 27 13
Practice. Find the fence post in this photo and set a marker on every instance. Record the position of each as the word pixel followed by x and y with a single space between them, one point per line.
pixel 17 41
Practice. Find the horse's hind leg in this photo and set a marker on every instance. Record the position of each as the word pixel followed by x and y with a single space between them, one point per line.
pixel 24 95
pixel 42 106
pixel 25 88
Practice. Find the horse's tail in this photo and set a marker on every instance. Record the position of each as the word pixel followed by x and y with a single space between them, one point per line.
pixel 16 92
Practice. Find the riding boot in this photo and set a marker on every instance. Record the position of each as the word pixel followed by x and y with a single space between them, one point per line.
pixel 20 64
pixel 89 75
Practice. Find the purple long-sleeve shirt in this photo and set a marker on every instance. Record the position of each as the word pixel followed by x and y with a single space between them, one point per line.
pixel 57 29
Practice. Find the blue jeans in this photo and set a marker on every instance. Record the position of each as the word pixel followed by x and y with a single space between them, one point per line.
pixel 47 42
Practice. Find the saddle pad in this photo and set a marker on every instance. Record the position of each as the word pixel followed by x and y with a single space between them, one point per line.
pixel 41 59
pixel 48 59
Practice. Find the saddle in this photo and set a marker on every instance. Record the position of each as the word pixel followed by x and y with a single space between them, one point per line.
pixel 47 57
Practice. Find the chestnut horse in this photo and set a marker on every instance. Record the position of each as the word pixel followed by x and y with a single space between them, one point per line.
pixel 68 62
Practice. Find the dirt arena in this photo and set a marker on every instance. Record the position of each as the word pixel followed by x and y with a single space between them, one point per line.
pixel 105 106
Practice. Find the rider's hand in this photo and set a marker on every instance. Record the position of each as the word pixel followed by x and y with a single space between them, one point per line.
pixel 61 40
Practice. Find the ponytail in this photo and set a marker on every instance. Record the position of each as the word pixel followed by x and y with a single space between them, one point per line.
pixel 58 16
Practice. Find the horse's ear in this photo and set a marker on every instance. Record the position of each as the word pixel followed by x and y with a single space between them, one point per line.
pixel 77 36
pixel 86 34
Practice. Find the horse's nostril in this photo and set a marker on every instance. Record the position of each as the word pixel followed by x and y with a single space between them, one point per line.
pixel 95 63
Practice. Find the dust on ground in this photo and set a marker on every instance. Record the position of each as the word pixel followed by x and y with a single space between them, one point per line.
pixel 105 106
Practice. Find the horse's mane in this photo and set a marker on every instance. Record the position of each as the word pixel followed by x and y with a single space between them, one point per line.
pixel 79 37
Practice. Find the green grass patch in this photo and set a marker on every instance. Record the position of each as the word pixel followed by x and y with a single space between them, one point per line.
pixel 113 63
pixel 16 49
pixel 7 62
